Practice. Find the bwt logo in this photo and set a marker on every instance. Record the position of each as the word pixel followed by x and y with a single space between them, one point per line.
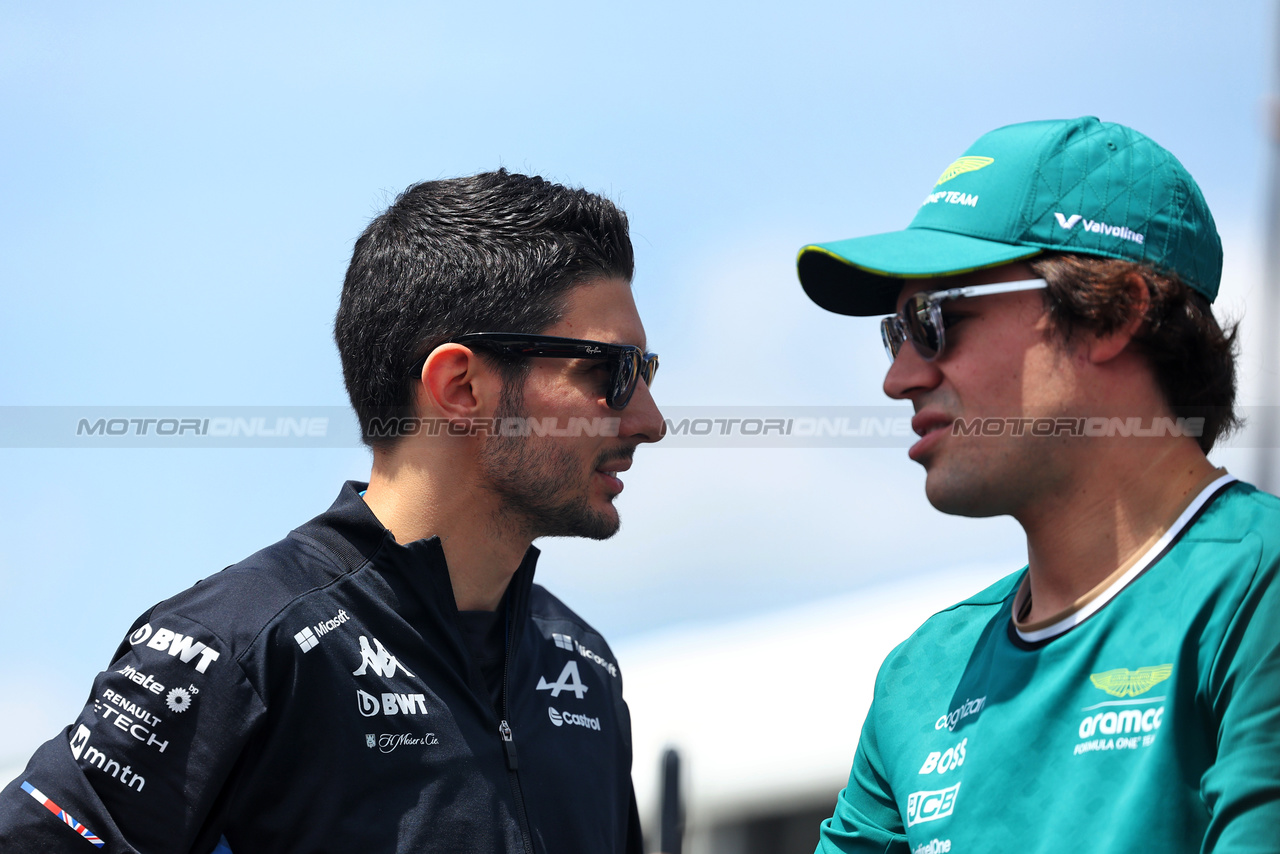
pixel 931 806
pixel 392 704
pixel 177 645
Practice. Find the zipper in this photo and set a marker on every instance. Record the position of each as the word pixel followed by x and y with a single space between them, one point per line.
pixel 508 740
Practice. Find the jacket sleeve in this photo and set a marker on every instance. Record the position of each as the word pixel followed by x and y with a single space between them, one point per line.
pixel 1241 789
pixel 866 817
pixel 142 767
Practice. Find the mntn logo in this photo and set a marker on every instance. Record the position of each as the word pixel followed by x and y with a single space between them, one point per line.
pixel 931 806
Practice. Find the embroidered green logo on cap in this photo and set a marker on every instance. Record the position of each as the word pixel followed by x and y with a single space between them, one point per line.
pixel 971 163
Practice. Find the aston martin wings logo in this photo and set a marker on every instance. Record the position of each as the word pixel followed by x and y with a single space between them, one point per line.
pixel 1124 682
pixel 972 163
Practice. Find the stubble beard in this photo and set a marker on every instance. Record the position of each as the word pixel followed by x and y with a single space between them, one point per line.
pixel 540 481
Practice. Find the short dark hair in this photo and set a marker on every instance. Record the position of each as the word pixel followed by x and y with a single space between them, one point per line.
pixel 1192 356
pixel 495 252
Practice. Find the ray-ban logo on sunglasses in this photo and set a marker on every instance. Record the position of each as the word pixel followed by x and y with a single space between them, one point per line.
pixel 593 350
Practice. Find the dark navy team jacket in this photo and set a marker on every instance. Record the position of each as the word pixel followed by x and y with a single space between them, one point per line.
pixel 319 697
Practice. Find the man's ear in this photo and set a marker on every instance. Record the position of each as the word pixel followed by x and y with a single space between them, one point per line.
pixel 457 383
pixel 1104 348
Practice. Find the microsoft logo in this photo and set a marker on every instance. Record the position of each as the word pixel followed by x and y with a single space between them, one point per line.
pixel 562 641
pixel 306 640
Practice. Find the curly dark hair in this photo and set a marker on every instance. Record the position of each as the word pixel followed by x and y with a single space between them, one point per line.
pixel 495 252
pixel 1193 357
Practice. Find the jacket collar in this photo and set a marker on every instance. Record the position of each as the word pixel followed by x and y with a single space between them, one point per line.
pixel 353 535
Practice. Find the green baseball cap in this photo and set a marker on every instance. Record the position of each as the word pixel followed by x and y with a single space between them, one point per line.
pixel 1080 185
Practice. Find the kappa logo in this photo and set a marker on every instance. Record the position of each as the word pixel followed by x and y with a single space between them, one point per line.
pixel 569 680
pixel 931 806
pixel 1123 682
pixel 970 163
pixel 184 647
pixel 383 662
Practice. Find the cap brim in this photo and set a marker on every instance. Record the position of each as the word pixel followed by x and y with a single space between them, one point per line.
pixel 864 275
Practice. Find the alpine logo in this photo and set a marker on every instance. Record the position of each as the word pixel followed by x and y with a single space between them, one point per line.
pixel 177 645
pixel 561 718
pixel 391 704
pixel 383 662
pixel 569 680
pixel 309 640
pixel 931 806
pixel 1069 222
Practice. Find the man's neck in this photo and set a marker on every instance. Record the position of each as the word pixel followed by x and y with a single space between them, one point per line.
pixel 482 554
pixel 1104 519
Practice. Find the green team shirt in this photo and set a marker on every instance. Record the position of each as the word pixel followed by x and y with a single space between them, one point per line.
pixel 1148 720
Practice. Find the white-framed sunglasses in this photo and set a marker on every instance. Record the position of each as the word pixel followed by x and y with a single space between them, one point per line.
pixel 920 319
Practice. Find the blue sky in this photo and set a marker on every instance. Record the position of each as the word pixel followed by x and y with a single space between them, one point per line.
pixel 182 187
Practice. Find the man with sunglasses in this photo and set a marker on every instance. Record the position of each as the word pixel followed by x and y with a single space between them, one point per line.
pixel 1049 321
pixel 388 678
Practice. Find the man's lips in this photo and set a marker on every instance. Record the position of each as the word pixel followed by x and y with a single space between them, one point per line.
pixel 610 469
pixel 926 422
pixel 931 427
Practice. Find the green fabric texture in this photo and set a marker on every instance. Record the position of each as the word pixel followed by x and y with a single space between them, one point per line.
pixel 1082 185
pixel 1153 725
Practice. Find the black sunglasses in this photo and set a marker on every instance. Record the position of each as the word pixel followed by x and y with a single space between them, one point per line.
pixel 921 321
pixel 627 362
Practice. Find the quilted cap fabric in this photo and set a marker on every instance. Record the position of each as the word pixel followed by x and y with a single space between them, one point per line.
pixel 1079 185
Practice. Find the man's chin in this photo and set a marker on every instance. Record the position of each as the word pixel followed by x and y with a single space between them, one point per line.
pixel 957 499
pixel 599 525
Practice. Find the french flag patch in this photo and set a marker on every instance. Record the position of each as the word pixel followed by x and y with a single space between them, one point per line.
pixel 61 814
